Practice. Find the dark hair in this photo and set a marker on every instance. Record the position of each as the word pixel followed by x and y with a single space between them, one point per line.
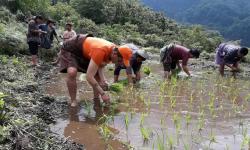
pixel 244 51
pixel 69 24
pixel 116 49
pixel 39 17
pixel 195 53
pixel 50 21
pixel 138 56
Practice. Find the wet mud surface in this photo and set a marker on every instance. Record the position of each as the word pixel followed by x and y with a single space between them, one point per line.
pixel 203 112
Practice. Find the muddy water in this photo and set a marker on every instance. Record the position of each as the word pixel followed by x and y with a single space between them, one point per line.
pixel 204 112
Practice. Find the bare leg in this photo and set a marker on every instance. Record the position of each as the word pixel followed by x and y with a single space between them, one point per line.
pixel 221 69
pixel 116 78
pixel 167 74
pixel 236 66
pixel 97 103
pixel 72 86
pixel 34 60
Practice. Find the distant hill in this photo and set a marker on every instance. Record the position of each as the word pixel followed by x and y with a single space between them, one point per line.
pixel 230 17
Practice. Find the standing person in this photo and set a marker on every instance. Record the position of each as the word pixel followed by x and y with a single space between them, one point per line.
pixel 229 55
pixel 33 37
pixel 87 54
pixel 69 33
pixel 135 64
pixel 52 31
pixel 171 56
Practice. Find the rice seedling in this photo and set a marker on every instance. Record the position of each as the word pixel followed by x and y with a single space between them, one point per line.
pixel 186 146
pixel 201 121
pixel 105 132
pixel 142 119
pixel 211 138
pixel 177 122
pixel 126 121
pixel 146 70
pixel 117 87
pixel 160 143
pixel 188 120
pixel 170 142
pixel 145 132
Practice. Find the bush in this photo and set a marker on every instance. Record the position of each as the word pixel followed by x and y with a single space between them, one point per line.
pixel 6 15
pixel 87 26
pixel 63 13
pixel 154 40
pixel 13 39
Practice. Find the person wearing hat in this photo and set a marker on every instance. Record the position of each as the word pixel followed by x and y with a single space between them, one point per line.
pixel 69 33
pixel 229 55
pixel 87 54
pixel 33 37
pixel 172 54
pixel 135 64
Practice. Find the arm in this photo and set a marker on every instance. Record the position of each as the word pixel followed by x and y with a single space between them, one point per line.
pixel 55 34
pixel 129 74
pixel 91 72
pixel 138 76
pixel 178 65
pixel 186 70
pixel 101 75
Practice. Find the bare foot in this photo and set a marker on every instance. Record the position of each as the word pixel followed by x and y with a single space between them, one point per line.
pixel 74 104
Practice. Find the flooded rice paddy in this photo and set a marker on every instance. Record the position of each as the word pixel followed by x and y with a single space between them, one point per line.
pixel 202 112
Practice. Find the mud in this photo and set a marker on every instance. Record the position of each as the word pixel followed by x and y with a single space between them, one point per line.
pixel 225 126
pixel 28 110
pixel 39 115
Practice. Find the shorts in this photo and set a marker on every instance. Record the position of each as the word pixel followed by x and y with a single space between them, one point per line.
pixel 33 47
pixel 68 59
pixel 169 66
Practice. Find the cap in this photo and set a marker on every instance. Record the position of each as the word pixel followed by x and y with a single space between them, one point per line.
pixel 126 53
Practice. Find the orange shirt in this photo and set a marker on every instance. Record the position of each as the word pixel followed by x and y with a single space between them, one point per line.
pixel 97 49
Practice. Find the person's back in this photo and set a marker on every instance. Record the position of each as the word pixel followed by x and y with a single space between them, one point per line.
pixel 180 53
pixel 228 52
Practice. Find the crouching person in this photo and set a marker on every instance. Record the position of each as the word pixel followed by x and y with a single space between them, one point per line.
pixel 172 54
pixel 229 55
pixel 134 66
pixel 87 54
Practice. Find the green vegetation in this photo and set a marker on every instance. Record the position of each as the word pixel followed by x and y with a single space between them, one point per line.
pixel 116 87
pixel 146 70
pixel 117 21
pixel 215 14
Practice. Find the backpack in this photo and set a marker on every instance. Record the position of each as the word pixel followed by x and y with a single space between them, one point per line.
pixel 45 41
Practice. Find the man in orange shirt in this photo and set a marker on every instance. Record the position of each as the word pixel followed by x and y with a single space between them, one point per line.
pixel 87 54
